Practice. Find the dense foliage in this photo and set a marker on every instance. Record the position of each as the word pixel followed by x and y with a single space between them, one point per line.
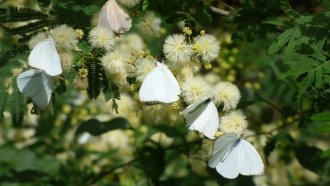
pixel 276 51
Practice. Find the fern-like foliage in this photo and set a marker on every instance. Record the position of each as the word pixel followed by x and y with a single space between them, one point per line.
pixel 17 108
pixel 3 100
pixel 13 14
pixel 306 48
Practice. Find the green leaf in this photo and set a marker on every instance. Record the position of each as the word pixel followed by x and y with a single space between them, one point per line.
pixel 324 116
pixel 152 161
pixel 323 128
pixel 309 157
pixel 326 154
pixel 202 16
pixel 145 5
pixel 17 108
pixel 95 127
pixel 176 18
pixel 90 10
pixel 281 40
pixel 30 27
pixel 3 101
pixel 94 79
pixel 48 165
pixel 277 21
pixel 307 82
pixel 269 147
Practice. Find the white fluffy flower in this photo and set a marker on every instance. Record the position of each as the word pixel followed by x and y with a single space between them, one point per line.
pixel 114 62
pixel 142 67
pixel 195 88
pixel 235 122
pixel 176 49
pixel 100 37
pixel 183 71
pixel 36 39
pixel 130 41
pixel 227 94
pixel 149 25
pixel 64 36
pixel 207 47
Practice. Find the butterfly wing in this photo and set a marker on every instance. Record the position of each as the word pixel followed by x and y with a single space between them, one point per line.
pixel 212 124
pixel 37 85
pixel 123 18
pixel 152 88
pixel 159 86
pixel 193 106
pixel 251 162
pixel 221 149
pixel 45 57
pixel 171 85
pixel 230 167
pixel 114 18
pixel 203 117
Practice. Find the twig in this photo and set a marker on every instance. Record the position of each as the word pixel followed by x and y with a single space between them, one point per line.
pixel 270 103
pixel 227 5
pixel 103 174
pixel 273 130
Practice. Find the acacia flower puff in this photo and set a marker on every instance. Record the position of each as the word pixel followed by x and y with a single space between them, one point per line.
pixel 207 47
pixel 142 67
pixel 114 62
pixel 176 49
pixel 227 94
pixel 100 37
pixel 36 39
pixel 130 41
pixel 64 36
pixel 149 25
pixel 234 122
pixel 113 18
pixel 195 88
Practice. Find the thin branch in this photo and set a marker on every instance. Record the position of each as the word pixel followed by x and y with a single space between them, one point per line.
pixel 270 103
pixel 103 174
pixel 273 130
pixel 227 5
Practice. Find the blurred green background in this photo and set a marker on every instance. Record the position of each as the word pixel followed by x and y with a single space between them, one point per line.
pixel 276 51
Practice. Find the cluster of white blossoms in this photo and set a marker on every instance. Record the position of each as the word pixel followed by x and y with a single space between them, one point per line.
pixel 180 48
pixel 100 37
pixel 149 25
pixel 177 49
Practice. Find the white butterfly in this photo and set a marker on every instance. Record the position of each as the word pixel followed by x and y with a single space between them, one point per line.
pixel 233 155
pixel 37 85
pixel 45 57
pixel 202 116
pixel 114 18
pixel 160 85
